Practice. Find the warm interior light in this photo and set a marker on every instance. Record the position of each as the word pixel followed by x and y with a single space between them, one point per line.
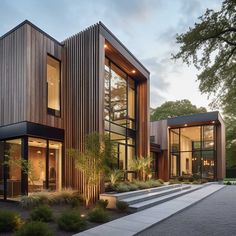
pixel 213 122
pixel 105 45
pixel 133 71
pixel 185 125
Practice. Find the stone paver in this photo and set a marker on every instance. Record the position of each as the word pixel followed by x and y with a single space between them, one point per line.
pixel 135 223
pixel 214 216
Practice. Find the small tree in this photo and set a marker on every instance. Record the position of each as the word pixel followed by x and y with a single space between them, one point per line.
pixel 142 166
pixel 93 162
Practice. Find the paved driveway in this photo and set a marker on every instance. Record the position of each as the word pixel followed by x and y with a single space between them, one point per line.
pixel 215 215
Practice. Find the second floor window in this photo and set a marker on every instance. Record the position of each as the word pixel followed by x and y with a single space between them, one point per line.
pixel 53 85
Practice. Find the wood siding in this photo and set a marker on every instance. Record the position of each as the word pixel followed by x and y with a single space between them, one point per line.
pixel 23 86
pixel 23 81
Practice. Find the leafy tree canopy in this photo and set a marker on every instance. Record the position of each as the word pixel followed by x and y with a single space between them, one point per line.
pixel 175 108
pixel 211 46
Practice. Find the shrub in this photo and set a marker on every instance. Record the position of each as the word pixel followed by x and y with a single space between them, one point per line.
pixel 66 196
pixel 122 206
pixel 42 213
pixel 115 175
pixel 180 178
pixel 190 179
pixel 196 182
pixel 228 183
pixel 34 228
pixel 174 181
pixel 101 203
pixel 122 187
pixel 133 187
pixel 142 185
pixel 154 183
pixel 203 181
pixel 71 221
pixel 98 215
pixel 161 181
pixel 9 221
pixel 186 182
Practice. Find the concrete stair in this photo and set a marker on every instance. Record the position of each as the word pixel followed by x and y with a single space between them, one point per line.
pixel 149 200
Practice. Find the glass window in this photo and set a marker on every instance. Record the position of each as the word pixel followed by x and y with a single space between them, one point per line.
pixel 13 169
pixel 54 171
pixel 185 164
pixel 208 164
pixel 1 169
pixel 53 84
pixel 188 136
pixel 174 137
pixel 174 165
pixel 37 164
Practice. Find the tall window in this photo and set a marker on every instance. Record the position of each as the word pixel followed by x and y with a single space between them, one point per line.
pixel 192 151
pixel 120 114
pixel 53 85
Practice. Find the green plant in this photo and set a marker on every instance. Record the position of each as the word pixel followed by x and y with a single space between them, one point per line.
pixel 122 187
pixel 203 181
pixel 174 181
pixel 36 228
pixel 180 178
pixel 92 161
pixel 102 203
pixel 161 181
pixel 71 221
pixel 122 206
pixel 196 182
pixel 142 166
pixel 142 184
pixel 42 213
pixel 153 183
pixel 190 179
pixel 9 221
pixel 186 182
pixel 228 183
pixel 98 215
pixel 132 187
pixel 115 175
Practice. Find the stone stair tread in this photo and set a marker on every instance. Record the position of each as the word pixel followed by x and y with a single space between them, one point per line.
pixel 151 202
pixel 154 194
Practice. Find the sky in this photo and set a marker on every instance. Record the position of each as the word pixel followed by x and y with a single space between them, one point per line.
pixel 148 28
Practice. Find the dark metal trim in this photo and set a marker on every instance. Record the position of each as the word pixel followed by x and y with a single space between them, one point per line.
pixel 31 129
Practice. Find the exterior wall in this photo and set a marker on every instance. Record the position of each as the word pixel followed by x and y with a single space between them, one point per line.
pixel 23 70
pixel 23 86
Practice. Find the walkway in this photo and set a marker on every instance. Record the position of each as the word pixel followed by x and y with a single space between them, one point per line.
pixel 140 221
pixel 215 215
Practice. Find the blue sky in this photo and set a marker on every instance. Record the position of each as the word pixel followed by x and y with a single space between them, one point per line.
pixel 147 27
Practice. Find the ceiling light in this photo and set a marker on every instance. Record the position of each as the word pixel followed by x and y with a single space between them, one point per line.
pixel 133 71
pixel 105 45
pixel 185 125
pixel 39 152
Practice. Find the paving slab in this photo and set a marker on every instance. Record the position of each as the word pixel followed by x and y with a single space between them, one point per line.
pixel 134 223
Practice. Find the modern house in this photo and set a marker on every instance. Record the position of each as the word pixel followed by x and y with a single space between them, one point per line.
pixel 54 93
pixel 192 145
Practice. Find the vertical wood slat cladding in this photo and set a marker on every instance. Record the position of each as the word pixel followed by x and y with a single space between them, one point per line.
pixel 23 82
pixel 82 96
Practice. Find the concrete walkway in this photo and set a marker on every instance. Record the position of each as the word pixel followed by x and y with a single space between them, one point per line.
pixel 135 223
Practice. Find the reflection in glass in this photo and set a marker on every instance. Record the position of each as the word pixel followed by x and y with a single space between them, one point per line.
pixel 13 169
pixel 1 169
pixel 55 157
pixel 196 151
pixel 53 83
pixel 37 164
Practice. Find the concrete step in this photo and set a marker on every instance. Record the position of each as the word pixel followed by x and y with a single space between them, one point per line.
pixel 158 200
pixel 147 196
pixel 113 197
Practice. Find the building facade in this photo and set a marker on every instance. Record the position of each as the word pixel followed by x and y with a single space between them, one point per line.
pixel 191 145
pixel 55 93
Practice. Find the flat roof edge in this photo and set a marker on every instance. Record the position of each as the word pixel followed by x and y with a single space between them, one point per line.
pixel 33 26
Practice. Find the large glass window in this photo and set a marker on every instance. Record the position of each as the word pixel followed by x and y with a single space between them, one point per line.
pixel 119 113
pixel 37 163
pixel 1 169
pixel 13 168
pixel 53 85
pixel 192 151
